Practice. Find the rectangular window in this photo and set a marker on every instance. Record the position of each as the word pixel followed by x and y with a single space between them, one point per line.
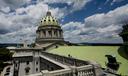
pixel 27 62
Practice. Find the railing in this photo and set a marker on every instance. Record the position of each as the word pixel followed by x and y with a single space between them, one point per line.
pixel 73 71
pixel 76 67
pixel 66 60
pixel 87 70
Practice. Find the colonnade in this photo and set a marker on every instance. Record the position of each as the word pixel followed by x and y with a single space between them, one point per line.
pixel 50 34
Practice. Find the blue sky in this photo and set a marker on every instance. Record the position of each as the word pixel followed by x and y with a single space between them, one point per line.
pixel 97 21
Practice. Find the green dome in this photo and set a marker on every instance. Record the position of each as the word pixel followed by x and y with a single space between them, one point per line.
pixel 49 20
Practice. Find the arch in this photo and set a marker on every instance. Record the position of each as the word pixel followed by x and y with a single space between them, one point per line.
pixel 50 33
pixel 44 34
pixel 55 33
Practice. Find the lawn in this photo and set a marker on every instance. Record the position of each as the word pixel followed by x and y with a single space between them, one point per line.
pixel 96 53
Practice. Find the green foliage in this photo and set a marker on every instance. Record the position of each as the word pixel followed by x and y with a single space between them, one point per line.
pixel 126 49
pixel 2 65
pixel 5 55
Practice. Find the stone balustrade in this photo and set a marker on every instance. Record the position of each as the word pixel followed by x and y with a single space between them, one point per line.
pixel 87 70
pixel 76 67
pixel 70 61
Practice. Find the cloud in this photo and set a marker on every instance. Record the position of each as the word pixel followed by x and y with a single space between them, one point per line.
pixel 21 23
pixel 14 25
pixel 75 4
pixel 116 17
pixel 20 35
pixel 5 9
pixel 35 11
pixel 116 1
pixel 13 4
pixel 103 27
pixel 113 1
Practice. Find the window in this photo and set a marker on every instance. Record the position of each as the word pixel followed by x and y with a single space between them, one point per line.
pixel 27 62
pixel 27 70
pixel 36 63
pixel 49 32
pixel 55 33
pixel 47 66
pixel 52 68
pixel 16 64
pixel 44 33
pixel 44 48
pixel 36 69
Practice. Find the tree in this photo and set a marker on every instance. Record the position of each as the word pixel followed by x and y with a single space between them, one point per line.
pixel 5 55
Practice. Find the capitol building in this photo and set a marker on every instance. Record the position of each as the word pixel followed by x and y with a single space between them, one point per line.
pixel 38 61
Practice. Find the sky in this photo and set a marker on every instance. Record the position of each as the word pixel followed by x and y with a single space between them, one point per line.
pixel 93 21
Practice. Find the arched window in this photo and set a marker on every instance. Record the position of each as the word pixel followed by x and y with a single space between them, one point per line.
pixel 50 33
pixel 44 33
pixel 27 70
pixel 55 33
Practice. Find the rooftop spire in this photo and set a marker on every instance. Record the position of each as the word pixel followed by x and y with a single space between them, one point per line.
pixel 48 12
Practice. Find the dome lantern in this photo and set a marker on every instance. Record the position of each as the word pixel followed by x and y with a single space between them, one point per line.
pixel 48 13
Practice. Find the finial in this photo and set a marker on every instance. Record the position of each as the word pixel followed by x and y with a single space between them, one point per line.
pixel 48 12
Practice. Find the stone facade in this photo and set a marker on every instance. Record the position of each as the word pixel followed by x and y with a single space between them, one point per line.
pixel 51 65
pixel 30 62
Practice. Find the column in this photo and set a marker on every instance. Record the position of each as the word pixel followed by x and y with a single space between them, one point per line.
pixel 58 33
pixel 52 33
pixel 55 33
pixel 37 34
pixel 47 35
pixel 61 34
pixel 44 34
pixel 40 34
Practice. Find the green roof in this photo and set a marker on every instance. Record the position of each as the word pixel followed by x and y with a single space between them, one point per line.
pixel 96 53
pixel 49 20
